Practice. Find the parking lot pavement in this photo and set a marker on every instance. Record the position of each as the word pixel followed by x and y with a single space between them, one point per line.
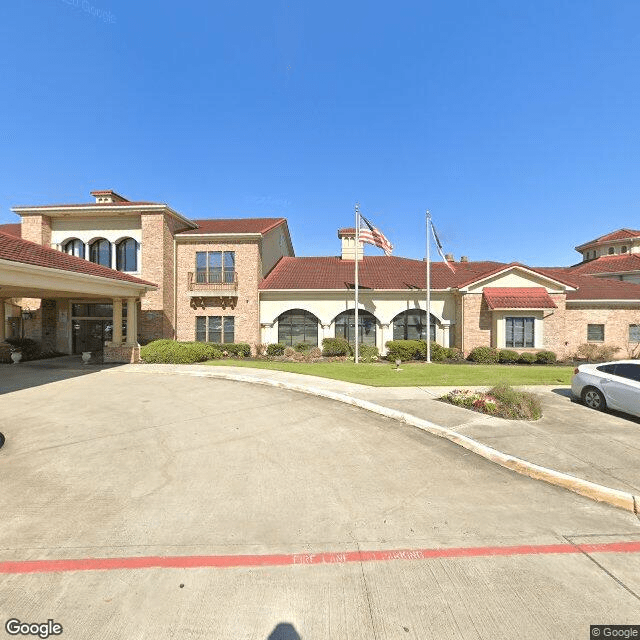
pixel 162 506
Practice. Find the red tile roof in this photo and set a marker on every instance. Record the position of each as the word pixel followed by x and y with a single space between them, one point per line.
pixel 375 272
pixel 95 205
pixel 18 250
pixel 233 225
pixel 518 298
pixel 609 264
pixel 620 234
pixel 13 229
pixel 560 277
pixel 592 288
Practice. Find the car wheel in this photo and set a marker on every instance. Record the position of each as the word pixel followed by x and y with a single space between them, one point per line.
pixel 594 399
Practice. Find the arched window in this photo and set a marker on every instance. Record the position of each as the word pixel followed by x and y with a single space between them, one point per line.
pixel 411 325
pixel 346 323
pixel 100 252
pixel 624 249
pixel 296 326
pixel 127 255
pixel 74 247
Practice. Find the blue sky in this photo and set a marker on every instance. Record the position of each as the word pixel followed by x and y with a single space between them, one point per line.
pixel 515 123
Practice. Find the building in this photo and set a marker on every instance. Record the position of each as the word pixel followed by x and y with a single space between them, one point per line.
pixel 238 280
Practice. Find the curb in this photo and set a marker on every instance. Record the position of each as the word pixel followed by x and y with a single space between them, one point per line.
pixel 599 493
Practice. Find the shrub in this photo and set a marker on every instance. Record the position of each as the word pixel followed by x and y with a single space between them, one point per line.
pixel 172 352
pixel 336 347
pixel 546 357
pixel 261 350
pixel 506 356
pixel 302 347
pixel 289 352
pixel 238 349
pixel 30 349
pixel 297 356
pixel 438 352
pixel 276 349
pixel 484 355
pixel 367 353
pixel 518 405
pixel 596 352
pixel 454 354
pixel 315 353
pixel 527 358
pixel 405 349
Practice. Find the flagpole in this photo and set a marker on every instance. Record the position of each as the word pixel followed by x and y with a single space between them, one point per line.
pixel 357 213
pixel 428 336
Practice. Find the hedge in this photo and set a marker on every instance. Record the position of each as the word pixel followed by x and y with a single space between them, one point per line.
pixel 29 348
pixel 546 357
pixel 336 347
pixel 406 349
pixel 367 353
pixel 172 352
pixel 484 355
pixel 506 356
pixel 527 358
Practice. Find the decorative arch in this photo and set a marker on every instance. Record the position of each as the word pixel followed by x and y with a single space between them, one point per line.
pixel 345 324
pixel 297 326
pixel 411 325
pixel 100 252
pixel 74 247
pixel 127 254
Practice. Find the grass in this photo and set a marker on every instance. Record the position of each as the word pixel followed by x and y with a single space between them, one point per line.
pixel 416 374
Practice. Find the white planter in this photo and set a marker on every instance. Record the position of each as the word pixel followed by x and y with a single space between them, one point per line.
pixel 86 356
pixel 16 356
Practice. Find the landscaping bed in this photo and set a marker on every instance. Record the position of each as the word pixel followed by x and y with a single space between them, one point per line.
pixel 501 401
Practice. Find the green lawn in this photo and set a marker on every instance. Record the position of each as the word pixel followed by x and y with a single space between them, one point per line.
pixel 418 374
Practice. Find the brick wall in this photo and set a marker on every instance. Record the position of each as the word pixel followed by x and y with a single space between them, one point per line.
pixel 247 265
pixel 36 229
pixel 121 353
pixel 477 322
pixel 616 323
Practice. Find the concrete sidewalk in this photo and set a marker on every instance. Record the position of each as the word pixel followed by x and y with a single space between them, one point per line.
pixel 601 448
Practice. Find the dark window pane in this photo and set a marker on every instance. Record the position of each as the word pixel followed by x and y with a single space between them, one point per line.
pixel 100 253
pixel 297 326
pixel 215 329
pixel 345 326
pixel 229 325
pixel 627 370
pixel 595 332
pixel 74 248
pixel 606 368
pixel 201 329
pixel 127 255
pixel 634 333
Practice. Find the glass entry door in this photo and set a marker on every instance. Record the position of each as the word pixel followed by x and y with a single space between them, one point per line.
pixel 90 335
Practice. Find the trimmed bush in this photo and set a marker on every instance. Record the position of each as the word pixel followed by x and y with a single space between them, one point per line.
pixel 302 347
pixel 289 352
pixel 438 352
pixel 336 347
pixel 484 355
pixel 454 354
pixel 506 356
pixel 405 349
pixel 172 352
pixel 527 358
pixel 276 349
pixel 367 353
pixel 30 348
pixel 546 357
pixel 239 349
pixel 315 353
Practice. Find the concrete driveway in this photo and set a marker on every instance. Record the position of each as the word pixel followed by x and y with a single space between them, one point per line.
pixel 158 506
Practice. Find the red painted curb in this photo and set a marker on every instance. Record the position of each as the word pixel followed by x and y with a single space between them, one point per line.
pixel 192 562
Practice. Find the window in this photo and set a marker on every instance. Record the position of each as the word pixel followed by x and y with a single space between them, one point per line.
pixel 628 370
pixel 74 247
pixel 611 251
pixel 345 326
pixel 595 333
pixel 215 266
pixel 519 332
pixel 634 333
pixel 127 255
pixel 100 252
pixel 298 326
pixel 624 249
pixel 411 325
pixel 219 329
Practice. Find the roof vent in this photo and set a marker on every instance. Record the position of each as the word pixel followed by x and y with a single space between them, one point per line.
pixel 107 196
pixel 449 257
pixel 464 258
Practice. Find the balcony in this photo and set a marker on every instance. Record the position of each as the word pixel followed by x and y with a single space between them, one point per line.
pixel 213 284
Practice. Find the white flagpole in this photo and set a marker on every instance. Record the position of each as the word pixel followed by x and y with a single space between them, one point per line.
pixel 357 327
pixel 428 336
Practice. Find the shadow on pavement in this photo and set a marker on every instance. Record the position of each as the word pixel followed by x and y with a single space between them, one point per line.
pixel 563 391
pixel 567 394
pixel 284 631
pixel 25 375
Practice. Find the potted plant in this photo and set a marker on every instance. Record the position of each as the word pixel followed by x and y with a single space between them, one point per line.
pixel 16 354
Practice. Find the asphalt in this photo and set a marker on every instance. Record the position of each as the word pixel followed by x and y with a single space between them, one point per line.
pixel 143 503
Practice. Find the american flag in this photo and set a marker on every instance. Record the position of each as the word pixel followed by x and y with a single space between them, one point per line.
pixel 371 235
pixel 440 249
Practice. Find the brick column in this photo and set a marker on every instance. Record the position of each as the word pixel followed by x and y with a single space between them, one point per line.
pixel 117 321
pixel 132 321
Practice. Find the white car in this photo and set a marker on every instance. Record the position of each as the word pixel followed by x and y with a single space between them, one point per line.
pixel 610 385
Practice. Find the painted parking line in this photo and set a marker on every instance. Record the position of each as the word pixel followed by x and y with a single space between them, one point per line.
pixel 225 562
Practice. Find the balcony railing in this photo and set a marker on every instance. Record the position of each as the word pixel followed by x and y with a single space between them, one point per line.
pixel 216 282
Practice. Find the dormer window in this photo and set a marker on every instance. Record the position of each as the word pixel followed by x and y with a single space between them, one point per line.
pixel 611 251
pixel 624 249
